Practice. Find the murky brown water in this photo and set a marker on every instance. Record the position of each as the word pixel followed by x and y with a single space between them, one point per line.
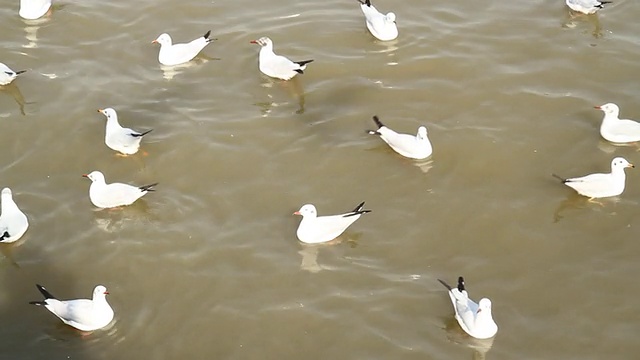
pixel 208 267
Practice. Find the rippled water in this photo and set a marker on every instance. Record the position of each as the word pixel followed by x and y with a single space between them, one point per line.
pixel 209 266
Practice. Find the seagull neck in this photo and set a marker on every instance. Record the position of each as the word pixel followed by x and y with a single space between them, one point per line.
pixel 112 122
pixel 267 49
pixel 610 117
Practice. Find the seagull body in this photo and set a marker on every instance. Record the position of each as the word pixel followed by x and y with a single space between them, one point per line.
pixel 82 314
pixel 34 9
pixel 123 140
pixel 314 229
pixel 105 195
pixel 7 75
pixel 414 147
pixel 474 319
pixel 600 185
pixel 586 6
pixel 615 129
pixel 174 54
pixel 277 66
pixel 382 27
pixel 13 222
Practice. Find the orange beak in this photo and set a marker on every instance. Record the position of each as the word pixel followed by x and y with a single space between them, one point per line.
pixel 101 111
pixel 85 175
pixel 296 213
pixel 253 41
pixel 154 42
pixel 597 107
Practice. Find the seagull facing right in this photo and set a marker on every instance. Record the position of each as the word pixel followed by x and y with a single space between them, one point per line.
pixel 13 222
pixel 7 75
pixel 600 185
pixel 112 195
pixel 474 319
pixel 123 140
pixel 82 314
pixel 615 129
pixel 314 229
pixel 382 27
pixel 586 6
pixel 34 9
pixel 414 147
pixel 174 54
pixel 277 66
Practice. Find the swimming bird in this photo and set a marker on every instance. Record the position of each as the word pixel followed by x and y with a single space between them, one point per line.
pixel 315 229
pixel 123 140
pixel 7 75
pixel 475 319
pixel 586 6
pixel 34 9
pixel 82 314
pixel 13 222
pixel 617 130
pixel 600 185
pixel 112 195
pixel 411 146
pixel 382 27
pixel 277 66
pixel 174 54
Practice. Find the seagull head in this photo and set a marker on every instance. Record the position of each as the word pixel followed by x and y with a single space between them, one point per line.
pixel 99 292
pixel 6 193
pixel 422 133
pixel 390 17
pixel 263 41
pixel 620 163
pixel 307 210
pixel 95 176
pixel 484 306
pixel 163 39
pixel 109 113
pixel 609 109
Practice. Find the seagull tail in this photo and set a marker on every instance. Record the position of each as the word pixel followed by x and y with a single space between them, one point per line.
pixel 365 2
pixel 21 72
pixel 461 284
pixel 44 292
pixel 303 63
pixel 142 133
pixel 560 178
pixel 445 284
pixel 206 35
pixel 148 187
pixel 358 210
pixel 5 235
pixel 377 121
pixel 38 303
pixel 373 132
pixel 602 3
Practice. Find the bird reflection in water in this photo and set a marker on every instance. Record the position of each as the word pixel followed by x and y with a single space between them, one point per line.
pixel 293 88
pixel 457 335
pixel 13 90
pixel 310 252
pixel 574 18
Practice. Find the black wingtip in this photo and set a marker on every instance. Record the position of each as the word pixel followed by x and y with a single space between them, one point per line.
pixel 44 292
pixel 206 35
pixel 4 236
pixel 299 71
pixel 142 133
pixel 21 72
pixel 460 284
pixel 559 178
pixel 445 284
pixel 358 210
pixel 148 187
pixel 377 121
pixel 303 63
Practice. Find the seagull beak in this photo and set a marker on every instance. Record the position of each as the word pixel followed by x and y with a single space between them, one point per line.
pixel 597 107
pixel 101 111
pixel 106 293
pixel 631 165
pixel 297 213
pixel 154 42
pixel 253 41
pixel 85 175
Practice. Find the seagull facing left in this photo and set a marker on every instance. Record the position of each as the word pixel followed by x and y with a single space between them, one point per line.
pixel 615 129
pixel 7 75
pixel 277 66
pixel 411 146
pixel 474 319
pixel 82 314
pixel 314 229
pixel 13 222
pixel 123 140
pixel 112 195
pixel 586 6
pixel 382 27
pixel 600 185
pixel 174 54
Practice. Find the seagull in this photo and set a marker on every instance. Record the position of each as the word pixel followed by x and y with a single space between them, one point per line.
pixel 314 229
pixel 586 6
pixel 382 26
pixel 617 130
pixel 82 314
pixel 414 147
pixel 7 75
pixel 34 9
pixel 275 65
pixel 474 319
pixel 600 185
pixel 123 140
pixel 13 222
pixel 105 195
pixel 180 53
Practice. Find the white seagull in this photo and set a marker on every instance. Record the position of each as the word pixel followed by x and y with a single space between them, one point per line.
pixel 600 185
pixel 474 319
pixel 314 229
pixel 277 66
pixel 123 140
pixel 82 314
pixel 175 54
pixel 34 9
pixel 586 6
pixel 411 146
pixel 105 195
pixel 382 26
pixel 618 130
pixel 7 75
pixel 13 222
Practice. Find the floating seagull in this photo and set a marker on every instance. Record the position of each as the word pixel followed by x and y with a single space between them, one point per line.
pixel 13 222
pixel 7 75
pixel 105 195
pixel 600 185
pixel 82 314
pixel 124 140
pixel 275 65
pixel 34 9
pixel 382 26
pixel 474 319
pixel 414 147
pixel 315 229
pixel 586 6
pixel 617 130
pixel 180 53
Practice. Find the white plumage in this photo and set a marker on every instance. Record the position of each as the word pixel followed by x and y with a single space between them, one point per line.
pixel 112 195
pixel 123 140
pixel 315 229
pixel 601 185
pixel 7 75
pixel 277 66
pixel 586 6
pixel 382 27
pixel 34 9
pixel 412 146
pixel 174 54
pixel 615 129
pixel 13 222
